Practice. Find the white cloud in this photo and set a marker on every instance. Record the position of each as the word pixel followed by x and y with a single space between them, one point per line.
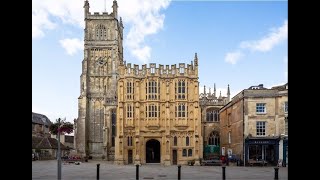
pixel 141 17
pixel 40 22
pixel 43 11
pixel 233 57
pixel 145 19
pixel 142 53
pixel 275 37
pixel 71 45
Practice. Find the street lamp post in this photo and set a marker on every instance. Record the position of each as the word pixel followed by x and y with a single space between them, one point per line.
pixel 59 151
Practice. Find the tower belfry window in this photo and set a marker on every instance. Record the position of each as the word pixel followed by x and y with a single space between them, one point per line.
pixel 101 32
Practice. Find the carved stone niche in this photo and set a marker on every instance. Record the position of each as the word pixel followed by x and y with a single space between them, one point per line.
pixel 167 105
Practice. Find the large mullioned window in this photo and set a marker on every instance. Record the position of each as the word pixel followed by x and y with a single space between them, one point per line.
pixel 152 89
pixel 180 89
pixel 152 111
pixel 130 111
pixel 212 115
pixel 181 110
pixel 130 90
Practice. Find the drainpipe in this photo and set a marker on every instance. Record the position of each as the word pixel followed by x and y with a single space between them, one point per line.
pixel 244 147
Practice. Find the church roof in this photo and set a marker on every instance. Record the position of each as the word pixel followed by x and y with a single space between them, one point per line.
pixel 45 143
pixel 40 119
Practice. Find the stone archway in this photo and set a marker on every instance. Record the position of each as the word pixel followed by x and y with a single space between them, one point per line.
pixel 153 153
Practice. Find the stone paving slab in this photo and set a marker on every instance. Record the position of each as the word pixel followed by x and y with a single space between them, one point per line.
pixel 47 170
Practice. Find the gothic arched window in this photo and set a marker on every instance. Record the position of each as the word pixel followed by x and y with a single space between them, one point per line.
pixel 175 141
pixel 212 115
pixel 187 141
pixel 129 140
pixel 113 127
pixel 190 152
pixel 214 138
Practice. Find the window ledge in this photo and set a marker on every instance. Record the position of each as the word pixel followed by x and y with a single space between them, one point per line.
pixel 153 127
pixel 261 113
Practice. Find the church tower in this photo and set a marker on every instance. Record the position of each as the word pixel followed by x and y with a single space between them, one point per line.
pixel 103 53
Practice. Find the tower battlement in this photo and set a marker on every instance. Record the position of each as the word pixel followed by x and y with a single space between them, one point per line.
pixel 100 15
pixel 151 69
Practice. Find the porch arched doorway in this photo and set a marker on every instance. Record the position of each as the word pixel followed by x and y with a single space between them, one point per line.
pixel 153 151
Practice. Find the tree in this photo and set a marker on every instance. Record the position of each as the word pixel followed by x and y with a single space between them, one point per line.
pixel 65 127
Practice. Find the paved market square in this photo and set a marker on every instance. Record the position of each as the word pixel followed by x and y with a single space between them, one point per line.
pixel 47 170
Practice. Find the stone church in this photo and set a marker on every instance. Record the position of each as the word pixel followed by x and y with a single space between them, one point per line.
pixel 131 114
pixel 95 128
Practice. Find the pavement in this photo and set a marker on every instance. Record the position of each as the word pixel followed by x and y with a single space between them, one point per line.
pixel 47 170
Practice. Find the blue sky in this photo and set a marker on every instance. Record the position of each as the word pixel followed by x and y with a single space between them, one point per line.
pixel 240 43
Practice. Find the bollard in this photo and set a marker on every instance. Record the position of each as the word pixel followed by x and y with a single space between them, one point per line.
pixel 223 172
pixel 137 171
pixel 179 172
pixel 276 170
pixel 98 166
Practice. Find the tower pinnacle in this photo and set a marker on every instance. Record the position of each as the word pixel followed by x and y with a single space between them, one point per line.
pixel 195 59
pixel 115 9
